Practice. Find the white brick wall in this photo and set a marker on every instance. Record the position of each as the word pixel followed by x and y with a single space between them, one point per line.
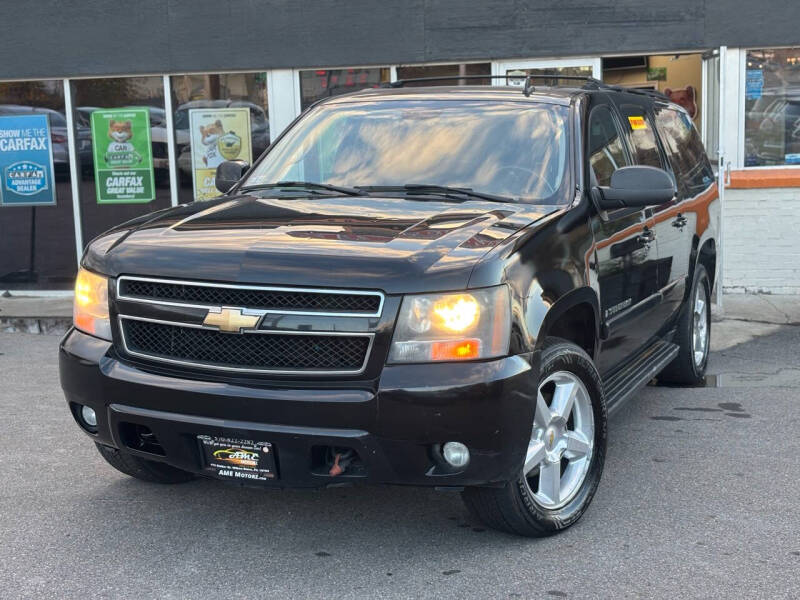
pixel 761 237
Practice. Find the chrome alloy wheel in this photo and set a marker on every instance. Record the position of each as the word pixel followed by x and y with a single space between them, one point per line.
pixel 562 441
pixel 700 326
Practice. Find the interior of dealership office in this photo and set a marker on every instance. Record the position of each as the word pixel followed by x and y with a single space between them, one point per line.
pixel 744 101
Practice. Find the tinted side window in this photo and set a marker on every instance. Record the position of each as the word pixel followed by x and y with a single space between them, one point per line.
pixel 606 151
pixel 685 151
pixel 641 135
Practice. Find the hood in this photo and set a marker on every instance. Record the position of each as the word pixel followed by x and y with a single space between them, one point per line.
pixel 398 245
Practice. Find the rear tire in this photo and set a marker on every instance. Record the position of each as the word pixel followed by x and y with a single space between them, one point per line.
pixel 524 508
pixel 689 367
pixel 140 468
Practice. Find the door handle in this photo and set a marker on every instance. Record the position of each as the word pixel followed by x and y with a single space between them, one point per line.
pixel 680 221
pixel 647 236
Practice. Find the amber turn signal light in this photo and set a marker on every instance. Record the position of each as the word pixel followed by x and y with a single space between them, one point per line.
pixel 456 350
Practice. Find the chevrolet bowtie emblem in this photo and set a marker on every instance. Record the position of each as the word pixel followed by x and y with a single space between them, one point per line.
pixel 230 320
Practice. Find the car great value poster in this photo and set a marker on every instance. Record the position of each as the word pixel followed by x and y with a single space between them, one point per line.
pixel 217 135
pixel 123 156
pixel 26 161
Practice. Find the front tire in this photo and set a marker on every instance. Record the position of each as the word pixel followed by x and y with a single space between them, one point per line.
pixel 140 468
pixel 566 452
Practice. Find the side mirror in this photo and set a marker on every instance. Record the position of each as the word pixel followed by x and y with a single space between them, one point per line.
pixel 636 186
pixel 229 173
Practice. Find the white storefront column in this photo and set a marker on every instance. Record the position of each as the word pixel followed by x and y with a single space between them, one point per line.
pixel 74 172
pixel 171 150
pixel 732 106
pixel 283 96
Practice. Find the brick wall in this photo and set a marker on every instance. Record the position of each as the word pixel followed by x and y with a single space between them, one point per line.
pixel 761 236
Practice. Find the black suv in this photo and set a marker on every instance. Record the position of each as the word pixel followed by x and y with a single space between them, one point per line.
pixel 450 286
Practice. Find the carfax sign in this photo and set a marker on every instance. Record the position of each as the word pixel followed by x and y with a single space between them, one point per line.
pixel 123 156
pixel 217 135
pixel 26 161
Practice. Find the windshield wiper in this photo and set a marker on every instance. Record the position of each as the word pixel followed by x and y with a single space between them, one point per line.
pixel 441 190
pixel 307 185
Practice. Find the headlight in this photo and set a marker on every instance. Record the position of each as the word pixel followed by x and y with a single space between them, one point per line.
pixel 90 310
pixel 450 327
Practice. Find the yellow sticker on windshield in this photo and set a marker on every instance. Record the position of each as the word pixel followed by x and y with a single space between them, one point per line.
pixel 637 122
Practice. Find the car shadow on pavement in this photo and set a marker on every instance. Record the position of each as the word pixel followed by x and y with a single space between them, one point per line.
pixel 323 520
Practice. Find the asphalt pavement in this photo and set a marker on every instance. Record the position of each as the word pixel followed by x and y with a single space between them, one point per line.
pixel 699 499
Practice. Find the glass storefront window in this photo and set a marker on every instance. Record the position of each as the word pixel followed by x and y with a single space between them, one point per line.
pixel 772 107
pixel 448 71
pixel 37 234
pixel 324 83
pixel 216 93
pixel 550 75
pixel 129 110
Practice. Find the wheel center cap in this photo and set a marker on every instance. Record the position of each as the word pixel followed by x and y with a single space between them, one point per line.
pixel 550 438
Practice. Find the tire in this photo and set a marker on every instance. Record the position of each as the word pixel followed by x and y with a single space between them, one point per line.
pixel 686 369
pixel 140 468
pixel 516 508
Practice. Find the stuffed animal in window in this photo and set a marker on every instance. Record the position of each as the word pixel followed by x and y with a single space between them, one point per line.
pixel 686 97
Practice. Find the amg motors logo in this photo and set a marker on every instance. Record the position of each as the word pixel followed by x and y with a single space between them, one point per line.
pixel 237 456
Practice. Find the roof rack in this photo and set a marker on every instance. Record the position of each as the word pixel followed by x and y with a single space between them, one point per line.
pixel 588 82
pixel 527 88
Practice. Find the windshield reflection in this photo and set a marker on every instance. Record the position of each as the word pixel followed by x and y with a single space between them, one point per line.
pixel 509 149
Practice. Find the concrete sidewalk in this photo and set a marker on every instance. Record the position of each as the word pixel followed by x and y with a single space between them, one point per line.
pixel 35 314
pixel 53 315
pixel 760 308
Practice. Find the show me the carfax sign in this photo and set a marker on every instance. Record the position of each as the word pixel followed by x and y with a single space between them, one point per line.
pixel 26 161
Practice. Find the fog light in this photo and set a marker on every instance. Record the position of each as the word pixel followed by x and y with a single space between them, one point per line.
pixel 456 454
pixel 89 416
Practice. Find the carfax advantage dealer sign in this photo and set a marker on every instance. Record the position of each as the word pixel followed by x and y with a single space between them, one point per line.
pixel 26 161
pixel 123 156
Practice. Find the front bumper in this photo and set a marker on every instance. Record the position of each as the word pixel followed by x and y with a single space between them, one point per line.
pixel 395 424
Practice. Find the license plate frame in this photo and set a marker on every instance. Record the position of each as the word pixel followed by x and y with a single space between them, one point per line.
pixel 237 459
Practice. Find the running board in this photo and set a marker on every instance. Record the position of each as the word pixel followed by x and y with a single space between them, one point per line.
pixel 620 387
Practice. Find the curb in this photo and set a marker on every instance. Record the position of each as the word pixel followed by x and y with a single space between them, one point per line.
pixel 36 325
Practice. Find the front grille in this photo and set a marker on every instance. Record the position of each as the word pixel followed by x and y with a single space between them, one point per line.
pixel 275 299
pixel 249 351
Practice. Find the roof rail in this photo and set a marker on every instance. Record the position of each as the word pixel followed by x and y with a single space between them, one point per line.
pixel 589 82
pixel 651 93
pixel 641 91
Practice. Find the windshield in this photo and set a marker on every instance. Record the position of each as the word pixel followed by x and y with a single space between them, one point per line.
pixel 509 149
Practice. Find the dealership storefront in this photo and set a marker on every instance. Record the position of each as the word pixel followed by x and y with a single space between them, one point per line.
pixel 104 149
